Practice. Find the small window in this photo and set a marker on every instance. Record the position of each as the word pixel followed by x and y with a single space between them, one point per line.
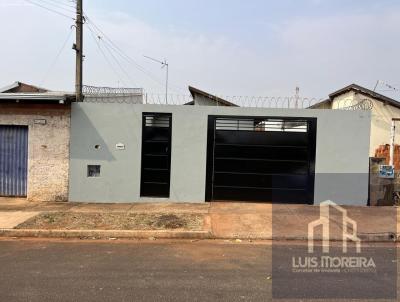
pixel 93 171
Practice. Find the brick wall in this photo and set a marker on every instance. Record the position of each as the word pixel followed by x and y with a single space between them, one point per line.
pixel 48 147
pixel 383 151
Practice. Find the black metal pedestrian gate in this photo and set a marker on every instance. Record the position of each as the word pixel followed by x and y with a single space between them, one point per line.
pixel 156 155
pixel 13 160
pixel 261 159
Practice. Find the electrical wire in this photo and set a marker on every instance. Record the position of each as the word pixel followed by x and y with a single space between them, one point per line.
pixel 107 42
pixel 122 54
pixel 64 4
pixel 114 58
pixel 47 2
pixel 93 34
pixel 119 64
pixel 67 9
pixel 53 63
pixel 50 9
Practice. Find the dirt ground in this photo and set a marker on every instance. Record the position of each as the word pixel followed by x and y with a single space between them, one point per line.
pixel 114 221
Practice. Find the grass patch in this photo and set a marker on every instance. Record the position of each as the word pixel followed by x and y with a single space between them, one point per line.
pixel 114 221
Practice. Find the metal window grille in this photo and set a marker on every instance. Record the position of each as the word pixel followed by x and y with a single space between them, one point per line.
pixel 263 125
pixel 157 121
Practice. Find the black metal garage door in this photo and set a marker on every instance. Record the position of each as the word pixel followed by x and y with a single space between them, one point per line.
pixel 261 159
pixel 13 160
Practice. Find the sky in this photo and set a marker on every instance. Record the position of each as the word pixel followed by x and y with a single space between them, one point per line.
pixel 226 47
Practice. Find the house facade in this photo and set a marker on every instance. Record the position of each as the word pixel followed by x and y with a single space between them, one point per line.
pixel 383 110
pixel 34 143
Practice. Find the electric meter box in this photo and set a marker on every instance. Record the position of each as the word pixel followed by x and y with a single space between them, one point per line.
pixel 386 171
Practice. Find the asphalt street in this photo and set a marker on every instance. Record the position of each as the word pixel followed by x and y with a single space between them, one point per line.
pixel 113 270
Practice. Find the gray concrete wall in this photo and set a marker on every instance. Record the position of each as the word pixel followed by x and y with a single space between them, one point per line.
pixel 341 157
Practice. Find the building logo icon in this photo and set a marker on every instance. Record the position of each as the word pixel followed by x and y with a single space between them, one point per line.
pixel 349 228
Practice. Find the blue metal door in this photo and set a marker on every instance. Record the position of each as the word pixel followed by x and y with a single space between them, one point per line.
pixel 13 160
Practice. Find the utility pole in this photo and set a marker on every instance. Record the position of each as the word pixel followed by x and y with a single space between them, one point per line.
pixel 163 64
pixel 78 46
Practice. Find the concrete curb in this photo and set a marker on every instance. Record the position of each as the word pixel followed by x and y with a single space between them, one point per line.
pixel 167 234
pixel 105 234
pixel 375 237
pixel 372 239
pixel 383 237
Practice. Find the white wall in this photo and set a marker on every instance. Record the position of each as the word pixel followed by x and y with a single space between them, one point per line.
pixel 381 119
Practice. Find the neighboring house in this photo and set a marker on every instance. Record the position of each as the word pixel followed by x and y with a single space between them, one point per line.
pixel 202 98
pixel 34 142
pixel 383 110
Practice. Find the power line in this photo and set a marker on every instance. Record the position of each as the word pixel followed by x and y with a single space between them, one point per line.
pixel 56 58
pixel 122 54
pixel 50 9
pixel 112 55
pixel 64 4
pixel 104 55
pixel 119 64
pixel 47 2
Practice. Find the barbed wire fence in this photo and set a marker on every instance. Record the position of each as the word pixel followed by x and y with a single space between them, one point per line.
pixel 95 94
pixel 173 99
pixel 241 101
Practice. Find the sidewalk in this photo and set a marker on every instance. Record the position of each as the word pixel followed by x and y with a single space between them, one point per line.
pixel 223 220
pixel 290 222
